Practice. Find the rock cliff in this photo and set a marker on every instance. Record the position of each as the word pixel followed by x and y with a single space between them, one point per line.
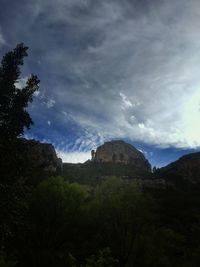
pixel 42 156
pixel 120 152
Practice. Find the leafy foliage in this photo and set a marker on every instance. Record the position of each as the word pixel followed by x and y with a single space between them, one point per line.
pixel 102 259
pixel 111 224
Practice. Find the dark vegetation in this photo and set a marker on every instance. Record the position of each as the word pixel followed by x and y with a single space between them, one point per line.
pixel 91 173
pixel 93 222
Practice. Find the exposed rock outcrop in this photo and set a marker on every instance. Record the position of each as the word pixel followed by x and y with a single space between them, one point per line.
pixel 42 156
pixel 120 152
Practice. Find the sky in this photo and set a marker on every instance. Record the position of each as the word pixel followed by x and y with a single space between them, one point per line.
pixel 110 69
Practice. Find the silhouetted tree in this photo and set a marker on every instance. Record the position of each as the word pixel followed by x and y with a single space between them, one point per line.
pixel 13 100
pixel 13 114
pixel 13 119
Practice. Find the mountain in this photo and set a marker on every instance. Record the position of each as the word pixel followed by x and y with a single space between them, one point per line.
pixel 117 158
pixel 114 158
pixel 185 169
pixel 118 151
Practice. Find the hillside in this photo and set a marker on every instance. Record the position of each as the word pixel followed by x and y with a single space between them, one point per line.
pixel 184 170
pixel 91 172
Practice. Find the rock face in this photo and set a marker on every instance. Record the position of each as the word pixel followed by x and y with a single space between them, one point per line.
pixel 186 168
pixel 42 156
pixel 120 152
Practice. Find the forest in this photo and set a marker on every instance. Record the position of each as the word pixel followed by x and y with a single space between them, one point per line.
pixel 61 222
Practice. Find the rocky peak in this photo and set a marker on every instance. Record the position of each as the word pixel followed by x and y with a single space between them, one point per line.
pixel 118 151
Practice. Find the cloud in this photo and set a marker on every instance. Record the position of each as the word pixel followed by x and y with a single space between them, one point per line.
pixel 74 157
pixel 50 103
pixel 21 83
pixel 118 70
pixel 126 103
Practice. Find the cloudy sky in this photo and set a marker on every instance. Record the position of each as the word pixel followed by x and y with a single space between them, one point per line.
pixel 110 69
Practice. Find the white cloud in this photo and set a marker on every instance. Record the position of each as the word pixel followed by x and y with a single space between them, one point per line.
pixel 74 157
pixel 161 77
pixel 134 73
pixel 21 83
pixel 126 103
pixel 50 103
